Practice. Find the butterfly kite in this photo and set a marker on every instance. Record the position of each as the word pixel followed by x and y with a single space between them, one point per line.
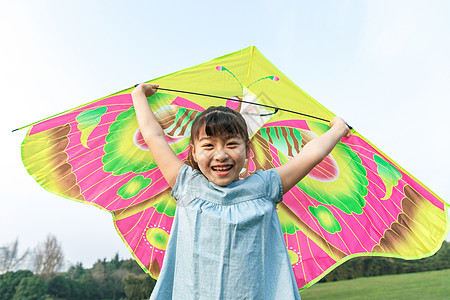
pixel 355 202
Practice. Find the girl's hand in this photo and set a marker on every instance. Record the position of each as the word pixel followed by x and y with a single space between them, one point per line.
pixel 340 123
pixel 147 89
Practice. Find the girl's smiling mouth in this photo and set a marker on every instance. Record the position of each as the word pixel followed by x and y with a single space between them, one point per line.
pixel 222 169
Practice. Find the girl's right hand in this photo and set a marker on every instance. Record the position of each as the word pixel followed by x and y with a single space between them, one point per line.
pixel 147 88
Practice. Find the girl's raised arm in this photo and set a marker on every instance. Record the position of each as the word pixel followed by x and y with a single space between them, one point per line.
pixel 311 154
pixel 154 136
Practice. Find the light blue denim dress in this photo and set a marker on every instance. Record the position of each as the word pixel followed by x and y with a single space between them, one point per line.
pixel 226 242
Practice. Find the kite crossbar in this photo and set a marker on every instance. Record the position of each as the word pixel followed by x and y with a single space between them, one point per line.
pixel 248 102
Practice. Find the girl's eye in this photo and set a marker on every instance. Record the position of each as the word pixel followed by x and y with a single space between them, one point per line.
pixel 208 146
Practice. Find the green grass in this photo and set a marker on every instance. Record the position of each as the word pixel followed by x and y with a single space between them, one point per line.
pixel 422 285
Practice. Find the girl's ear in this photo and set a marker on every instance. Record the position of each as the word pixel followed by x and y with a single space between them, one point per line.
pixel 192 150
pixel 247 150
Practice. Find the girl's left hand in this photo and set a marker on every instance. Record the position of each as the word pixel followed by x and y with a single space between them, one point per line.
pixel 340 123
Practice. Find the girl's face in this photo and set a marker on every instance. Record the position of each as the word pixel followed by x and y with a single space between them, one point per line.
pixel 220 158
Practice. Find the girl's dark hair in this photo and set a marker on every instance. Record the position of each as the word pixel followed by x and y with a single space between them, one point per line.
pixel 218 121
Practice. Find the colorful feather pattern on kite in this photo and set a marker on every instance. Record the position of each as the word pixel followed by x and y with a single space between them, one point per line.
pixel 355 202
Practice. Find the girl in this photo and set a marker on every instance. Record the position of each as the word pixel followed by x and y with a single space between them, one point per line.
pixel 226 240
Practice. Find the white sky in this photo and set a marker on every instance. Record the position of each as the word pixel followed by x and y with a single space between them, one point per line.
pixel 383 66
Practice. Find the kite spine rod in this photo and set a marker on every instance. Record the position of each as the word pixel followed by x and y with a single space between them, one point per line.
pixel 248 102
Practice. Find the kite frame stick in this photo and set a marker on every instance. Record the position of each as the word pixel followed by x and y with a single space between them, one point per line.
pixel 55 115
pixel 276 109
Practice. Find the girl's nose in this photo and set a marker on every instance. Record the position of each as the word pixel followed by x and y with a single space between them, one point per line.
pixel 220 155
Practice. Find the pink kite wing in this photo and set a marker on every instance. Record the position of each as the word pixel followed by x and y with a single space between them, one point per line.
pixel 96 154
pixel 356 202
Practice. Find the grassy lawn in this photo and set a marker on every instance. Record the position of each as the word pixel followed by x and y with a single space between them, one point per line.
pixel 423 285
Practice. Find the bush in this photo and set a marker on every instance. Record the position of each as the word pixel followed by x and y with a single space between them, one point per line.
pixel 31 288
pixel 9 282
pixel 59 287
pixel 138 287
